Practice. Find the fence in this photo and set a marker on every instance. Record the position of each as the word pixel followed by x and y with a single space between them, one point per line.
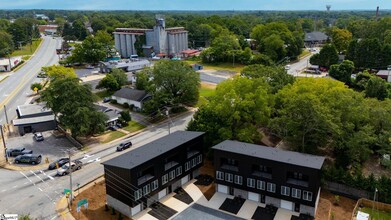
pixel 369 203
pixel 70 138
pixel 346 191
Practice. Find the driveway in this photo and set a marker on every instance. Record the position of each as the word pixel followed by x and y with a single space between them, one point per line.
pixel 51 148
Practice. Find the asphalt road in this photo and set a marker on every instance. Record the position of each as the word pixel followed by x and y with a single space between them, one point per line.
pixel 15 90
pixel 299 65
pixel 36 192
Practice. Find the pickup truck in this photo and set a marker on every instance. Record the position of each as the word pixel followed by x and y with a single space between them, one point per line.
pixel 66 168
pixel 13 152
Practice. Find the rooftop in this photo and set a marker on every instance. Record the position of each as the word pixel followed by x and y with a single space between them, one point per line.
pixel 31 109
pixel 269 153
pixel 315 36
pixel 153 149
pixel 34 120
pixel 131 94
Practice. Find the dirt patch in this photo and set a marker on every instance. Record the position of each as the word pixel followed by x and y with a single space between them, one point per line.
pixel 372 166
pixel 96 197
pixel 342 210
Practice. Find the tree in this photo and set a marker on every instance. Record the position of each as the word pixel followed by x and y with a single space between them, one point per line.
pixel 36 87
pixel 90 51
pixel 73 104
pixel 108 82
pixel 120 76
pixel 343 71
pixel 143 79
pixel 236 110
pixel 341 39
pixel 326 57
pixel 6 44
pixel 79 30
pixel 175 81
pixel 276 77
pixel 221 48
pixel 59 72
pixel 376 88
pixel 106 40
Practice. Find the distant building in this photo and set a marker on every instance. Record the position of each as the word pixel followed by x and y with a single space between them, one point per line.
pixel 126 65
pixel 315 38
pixel 160 41
pixel 384 74
pixel 41 16
pixel 33 118
pixel 48 29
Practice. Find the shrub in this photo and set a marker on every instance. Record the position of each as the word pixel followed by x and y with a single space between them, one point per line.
pixel 126 105
pixel 178 109
pixel 125 115
pixel 113 101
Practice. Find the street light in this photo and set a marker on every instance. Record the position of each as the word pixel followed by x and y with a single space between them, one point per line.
pixel 388 75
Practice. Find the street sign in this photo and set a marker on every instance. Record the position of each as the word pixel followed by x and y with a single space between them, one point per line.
pixel 67 191
pixel 82 202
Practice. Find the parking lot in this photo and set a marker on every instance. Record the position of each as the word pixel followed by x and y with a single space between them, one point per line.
pixel 51 147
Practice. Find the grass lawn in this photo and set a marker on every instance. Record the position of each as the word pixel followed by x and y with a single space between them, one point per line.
pixel 26 50
pixel 206 91
pixel 219 66
pixel 104 93
pixel 133 126
pixel 376 215
pixel 304 53
pixel 113 135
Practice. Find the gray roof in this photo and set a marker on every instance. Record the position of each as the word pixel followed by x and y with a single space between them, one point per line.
pixel 269 153
pixel 315 36
pixel 112 115
pixel 153 149
pixel 30 109
pixel 131 94
pixel 383 72
pixel 33 120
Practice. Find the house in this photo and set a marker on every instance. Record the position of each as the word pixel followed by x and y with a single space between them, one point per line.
pixel 190 53
pixel 315 39
pixel 384 74
pixel 32 118
pixel 132 96
pixel 285 179
pixel 112 115
pixel 137 179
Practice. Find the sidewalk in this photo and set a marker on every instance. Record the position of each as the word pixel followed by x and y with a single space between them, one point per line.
pixel 3 76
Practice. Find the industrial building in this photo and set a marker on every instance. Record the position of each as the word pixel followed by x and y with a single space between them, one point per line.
pixel 159 41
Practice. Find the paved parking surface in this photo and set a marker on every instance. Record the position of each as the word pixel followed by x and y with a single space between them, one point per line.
pixel 51 147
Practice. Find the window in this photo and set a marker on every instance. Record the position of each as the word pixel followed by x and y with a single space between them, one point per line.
pixel 165 179
pixel 187 166
pixel 146 189
pixel 199 159
pixel 193 162
pixel 285 190
pixel 229 177
pixel 219 175
pixel 271 187
pixel 178 171
pixel 296 193
pixel 251 182
pixel 137 194
pixel 260 184
pixel 307 195
pixel 238 180
pixel 172 174
pixel 155 185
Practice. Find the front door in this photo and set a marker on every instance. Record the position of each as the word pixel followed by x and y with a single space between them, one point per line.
pixel 297 207
pixel 262 198
pixel 231 190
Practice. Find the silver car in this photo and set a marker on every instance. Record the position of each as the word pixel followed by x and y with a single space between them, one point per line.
pixel 66 168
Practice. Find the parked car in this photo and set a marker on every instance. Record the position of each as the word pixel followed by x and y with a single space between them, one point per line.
pixel 106 99
pixel 113 128
pixel 287 67
pixel 13 152
pixel 124 146
pixel 66 168
pixel 42 75
pixel 28 158
pixel 60 162
pixel 38 136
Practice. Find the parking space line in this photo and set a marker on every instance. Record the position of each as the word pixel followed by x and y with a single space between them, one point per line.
pixel 49 176
pixel 40 189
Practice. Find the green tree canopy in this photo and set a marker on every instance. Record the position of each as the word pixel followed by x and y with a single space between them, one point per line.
pixel 59 72
pixel 108 82
pixel 6 44
pixel 341 39
pixel 326 57
pixel 376 88
pixel 90 51
pixel 343 71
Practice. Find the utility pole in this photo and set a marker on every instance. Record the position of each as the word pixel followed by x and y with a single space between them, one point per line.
pixel 70 178
pixel 5 147
pixel 5 112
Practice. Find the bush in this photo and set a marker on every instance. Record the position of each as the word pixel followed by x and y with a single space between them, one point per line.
pixel 385 163
pixel 131 107
pixel 125 115
pixel 113 101
pixel 20 63
pixel 178 109
pixel 126 105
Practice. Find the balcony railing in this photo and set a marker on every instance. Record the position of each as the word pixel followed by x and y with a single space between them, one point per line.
pixel 230 167
pixel 144 179
pixel 169 165
pixel 297 182
pixel 192 153
pixel 262 174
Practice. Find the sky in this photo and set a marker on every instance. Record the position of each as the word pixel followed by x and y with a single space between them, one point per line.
pixel 195 5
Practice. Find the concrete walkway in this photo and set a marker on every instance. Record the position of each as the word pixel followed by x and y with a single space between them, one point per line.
pixel 283 214
pixel 248 209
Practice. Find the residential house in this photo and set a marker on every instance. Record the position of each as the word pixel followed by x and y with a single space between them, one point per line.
pixel 132 96
pixel 315 38
pixel 137 179
pixel 32 118
pixel 112 115
pixel 285 179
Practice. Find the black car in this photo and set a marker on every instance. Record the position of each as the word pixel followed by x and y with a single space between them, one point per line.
pixel 106 99
pixel 28 158
pixel 124 146
pixel 13 152
pixel 60 163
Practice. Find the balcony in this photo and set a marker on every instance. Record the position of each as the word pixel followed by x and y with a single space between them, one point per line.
pixel 144 179
pixel 230 167
pixel 169 165
pixel 297 182
pixel 262 174
pixel 192 153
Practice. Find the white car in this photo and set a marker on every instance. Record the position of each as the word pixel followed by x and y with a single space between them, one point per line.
pixel 287 67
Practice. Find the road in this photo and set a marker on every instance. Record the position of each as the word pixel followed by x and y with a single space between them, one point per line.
pixel 15 90
pixel 36 192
